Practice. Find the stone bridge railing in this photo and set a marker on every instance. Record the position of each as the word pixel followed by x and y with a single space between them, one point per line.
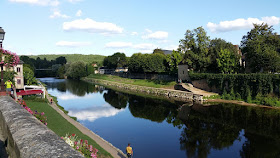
pixel 27 137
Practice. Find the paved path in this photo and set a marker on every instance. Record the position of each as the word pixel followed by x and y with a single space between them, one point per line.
pixel 190 87
pixel 115 152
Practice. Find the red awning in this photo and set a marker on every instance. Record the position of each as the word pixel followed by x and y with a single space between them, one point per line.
pixel 29 92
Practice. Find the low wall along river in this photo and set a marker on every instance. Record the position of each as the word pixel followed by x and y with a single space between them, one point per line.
pixel 167 93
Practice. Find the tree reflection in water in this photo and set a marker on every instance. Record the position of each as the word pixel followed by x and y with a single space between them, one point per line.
pixel 209 127
pixel 203 127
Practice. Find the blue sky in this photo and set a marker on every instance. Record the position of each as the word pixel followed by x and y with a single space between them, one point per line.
pixel 107 26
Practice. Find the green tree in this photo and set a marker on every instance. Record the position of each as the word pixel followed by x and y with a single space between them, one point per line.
pixel 28 75
pixel 261 47
pixel 115 60
pixel 216 45
pixel 61 60
pixel 158 51
pixel 136 63
pixel 60 72
pixel 195 46
pixel 227 61
pixel 173 60
pixel 76 70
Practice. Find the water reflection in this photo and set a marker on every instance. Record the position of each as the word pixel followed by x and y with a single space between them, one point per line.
pixel 94 113
pixel 218 130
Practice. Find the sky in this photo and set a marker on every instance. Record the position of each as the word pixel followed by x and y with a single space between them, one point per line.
pixel 104 27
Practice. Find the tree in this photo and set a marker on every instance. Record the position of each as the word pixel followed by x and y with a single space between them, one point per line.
pixel 76 70
pixel 173 60
pixel 216 45
pixel 28 74
pixel 61 60
pixel 115 60
pixel 227 61
pixel 195 46
pixel 158 51
pixel 147 63
pixel 261 47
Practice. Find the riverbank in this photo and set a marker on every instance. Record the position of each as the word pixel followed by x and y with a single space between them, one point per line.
pixel 63 124
pixel 176 95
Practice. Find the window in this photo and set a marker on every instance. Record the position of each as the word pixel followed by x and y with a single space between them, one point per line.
pixel 18 69
pixel 18 81
pixel 183 72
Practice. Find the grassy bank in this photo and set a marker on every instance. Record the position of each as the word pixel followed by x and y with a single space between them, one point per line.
pixel 60 125
pixel 139 82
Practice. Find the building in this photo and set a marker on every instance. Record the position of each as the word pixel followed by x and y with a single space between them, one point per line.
pixel 19 79
pixel 183 71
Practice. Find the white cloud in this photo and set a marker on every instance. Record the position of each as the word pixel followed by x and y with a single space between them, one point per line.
pixel 38 2
pixel 57 14
pixel 158 35
pixel 72 44
pixel 145 46
pixel 240 24
pixel 79 13
pixel 92 26
pixel 74 1
pixel 134 33
pixel 118 45
pixel 94 113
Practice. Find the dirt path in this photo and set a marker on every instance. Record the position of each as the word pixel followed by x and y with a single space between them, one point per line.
pixel 115 152
pixel 197 91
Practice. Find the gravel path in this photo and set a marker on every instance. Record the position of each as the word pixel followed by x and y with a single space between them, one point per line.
pixel 115 152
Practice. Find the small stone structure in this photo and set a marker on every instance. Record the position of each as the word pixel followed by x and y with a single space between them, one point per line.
pixel 183 73
pixel 27 137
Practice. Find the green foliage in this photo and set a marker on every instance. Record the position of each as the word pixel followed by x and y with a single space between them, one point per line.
pixel 73 57
pixel 89 69
pixel 115 60
pixel 253 88
pixel 195 46
pixel 147 63
pixel 60 72
pixel 159 51
pixel 262 47
pixel 9 75
pixel 227 61
pixel 28 74
pixel 76 70
pixel 173 60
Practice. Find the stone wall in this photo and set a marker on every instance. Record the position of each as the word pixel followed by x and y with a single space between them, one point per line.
pixel 168 93
pixel 202 84
pixel 148 76
pixel 26 136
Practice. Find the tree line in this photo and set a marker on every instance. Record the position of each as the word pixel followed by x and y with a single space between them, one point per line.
pixel 260 47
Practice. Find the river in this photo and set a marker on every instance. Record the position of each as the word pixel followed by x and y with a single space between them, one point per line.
pixel 167 129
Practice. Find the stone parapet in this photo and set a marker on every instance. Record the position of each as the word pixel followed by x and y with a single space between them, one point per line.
pixel 26 136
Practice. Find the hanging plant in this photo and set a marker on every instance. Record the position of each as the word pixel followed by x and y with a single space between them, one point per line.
pixel 8 58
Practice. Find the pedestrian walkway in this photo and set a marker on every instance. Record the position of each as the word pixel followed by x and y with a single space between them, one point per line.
pixel 115 152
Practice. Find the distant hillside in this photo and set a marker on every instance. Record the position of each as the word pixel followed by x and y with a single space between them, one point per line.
pixel 73 57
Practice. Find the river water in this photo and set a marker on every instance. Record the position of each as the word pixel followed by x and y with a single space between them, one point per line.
pixel 164 129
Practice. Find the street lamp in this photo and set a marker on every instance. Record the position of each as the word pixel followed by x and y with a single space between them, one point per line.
pixel 2 34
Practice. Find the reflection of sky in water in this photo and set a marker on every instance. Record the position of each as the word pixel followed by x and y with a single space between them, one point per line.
pixel 89 107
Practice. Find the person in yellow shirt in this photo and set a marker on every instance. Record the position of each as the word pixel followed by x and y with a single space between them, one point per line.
pixel 129 151
pixel 9 85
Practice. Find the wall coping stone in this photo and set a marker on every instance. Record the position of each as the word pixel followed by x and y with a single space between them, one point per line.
pixel 27 137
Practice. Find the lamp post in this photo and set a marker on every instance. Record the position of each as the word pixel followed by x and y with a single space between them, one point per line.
pixel 2 35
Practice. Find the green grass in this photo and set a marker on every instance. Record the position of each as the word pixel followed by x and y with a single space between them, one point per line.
pixel 139 82
pixel 61 126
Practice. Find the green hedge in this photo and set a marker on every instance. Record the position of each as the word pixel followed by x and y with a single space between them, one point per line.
pixel 242 86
